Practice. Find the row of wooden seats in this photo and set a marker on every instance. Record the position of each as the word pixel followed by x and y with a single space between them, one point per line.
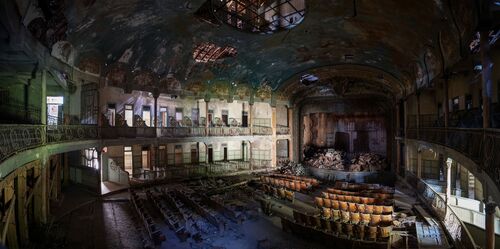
pixel 356 217
pixel 357 199
pixel 154 233
pixel 378 195
pixel 313 181
pixel 279 192
pixel 350 230
pixel 357 187
pixel 349 198
pixel 289 184
pixel 353 207
pixel 173 222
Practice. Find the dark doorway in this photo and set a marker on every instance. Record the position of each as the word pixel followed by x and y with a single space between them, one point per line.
pixel 225 117
pixel 178 155
pixel 225 153
pixel 194 156
pixel 244 119
pixel 361 142
pixel 342 141
pixel 210 155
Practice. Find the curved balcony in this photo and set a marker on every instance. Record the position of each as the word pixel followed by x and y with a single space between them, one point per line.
pixel 455 228
pixel 18 138
pixel 480 145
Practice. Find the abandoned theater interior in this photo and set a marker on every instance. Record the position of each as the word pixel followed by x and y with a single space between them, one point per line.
pixel 249 124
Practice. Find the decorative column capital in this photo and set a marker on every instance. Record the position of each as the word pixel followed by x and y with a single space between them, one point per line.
pixel 490 207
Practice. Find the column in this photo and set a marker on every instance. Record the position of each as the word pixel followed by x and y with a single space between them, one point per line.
pixel 486 77
pixel 206 121
pixel 449 162
pixel 43 110
pixel 490 225
pixel 418 115
pixel 290 133
pixel 250 117
pixel 156 94
pixel 250 154
pixel 405 106
pixel 273 146
pixel 398 124
pixel 41 192
pixel 66 169
pixel 398 157
pixel 21 203
pixel 419 164
pixel 446 106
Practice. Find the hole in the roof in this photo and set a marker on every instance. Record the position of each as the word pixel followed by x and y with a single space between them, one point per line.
pixel 308 79
pixel 209 52
pixel 260 16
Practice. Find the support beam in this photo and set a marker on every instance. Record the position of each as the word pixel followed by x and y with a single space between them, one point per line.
pixel 273 145
pixel 290 132
pixel 206 121
pixel 446 106
pixel 418 115
pixel 419 164
pixel 66 170
pixel 43 110
pixel 449 163
pixel 250 117
pixel 41 192
pixel 486 77
pixel 490 225
pixel 22 218
pixel 156 111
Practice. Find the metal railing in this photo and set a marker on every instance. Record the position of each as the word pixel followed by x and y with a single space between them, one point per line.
pixel 282 130
pixel 16 138
pixel 20 137
pixel 201 170
pixel 228 131
pixel 262 130
pixel 480 145
pixel 455 228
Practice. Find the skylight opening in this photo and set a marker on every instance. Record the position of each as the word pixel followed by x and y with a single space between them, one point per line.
pixel 260 16
pixel 308 79
pixel 209 52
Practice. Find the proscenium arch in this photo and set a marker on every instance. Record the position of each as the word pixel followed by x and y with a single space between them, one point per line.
pixel 368 73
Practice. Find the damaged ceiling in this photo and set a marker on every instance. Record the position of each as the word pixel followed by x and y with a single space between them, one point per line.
pixel 411 41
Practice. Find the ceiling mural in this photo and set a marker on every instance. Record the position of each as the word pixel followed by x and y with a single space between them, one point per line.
pixel 182 50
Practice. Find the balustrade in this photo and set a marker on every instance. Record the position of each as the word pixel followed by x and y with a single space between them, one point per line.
pixel 262 130
pixel 190 171
pixel 282 130
pixel 452 223
pixel 480 145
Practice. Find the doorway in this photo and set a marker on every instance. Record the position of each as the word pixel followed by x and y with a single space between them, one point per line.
pixel 55 110
pixel 146 115
pixel 178 155
pixel 129 115
pixel 163 117
pixel 244 119
pixel 210 155
pixel 127 159
pixel 225 154
pixel 194 156
pixel 341 141
pixel 111 114
pixel 225 117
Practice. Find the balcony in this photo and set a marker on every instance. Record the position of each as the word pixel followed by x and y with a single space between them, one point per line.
pixel 480 145
pixel 16 138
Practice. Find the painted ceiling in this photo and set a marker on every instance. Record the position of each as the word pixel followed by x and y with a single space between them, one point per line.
pixel 412 41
